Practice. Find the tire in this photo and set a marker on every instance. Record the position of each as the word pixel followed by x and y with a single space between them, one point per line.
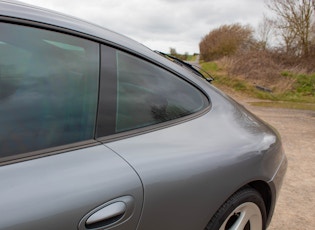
pixel 244 210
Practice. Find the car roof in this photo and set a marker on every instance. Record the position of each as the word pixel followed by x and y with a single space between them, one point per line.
pixel 20 10
pixel 12 10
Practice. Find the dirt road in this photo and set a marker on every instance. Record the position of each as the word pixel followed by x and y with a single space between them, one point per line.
pixel 296 205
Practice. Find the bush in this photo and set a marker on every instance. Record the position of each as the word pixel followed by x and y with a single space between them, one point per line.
pixel 225 41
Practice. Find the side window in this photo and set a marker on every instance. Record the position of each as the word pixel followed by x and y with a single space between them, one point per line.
pixel 149 95
pixel 48 89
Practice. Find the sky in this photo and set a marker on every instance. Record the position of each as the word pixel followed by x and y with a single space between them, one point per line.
pixel 162 24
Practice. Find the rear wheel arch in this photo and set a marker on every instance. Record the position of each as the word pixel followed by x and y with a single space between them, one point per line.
pixel 263 189
pixel 245 209
pixel 265 192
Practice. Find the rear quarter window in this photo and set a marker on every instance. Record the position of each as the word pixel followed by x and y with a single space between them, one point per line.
pixel 149 95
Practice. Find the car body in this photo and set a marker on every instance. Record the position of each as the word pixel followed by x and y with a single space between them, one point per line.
pixel 99 132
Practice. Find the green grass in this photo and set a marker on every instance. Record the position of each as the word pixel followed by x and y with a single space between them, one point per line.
pixel 304 84
pixel 211 67
pixel 220 79
pixel 302 90
pixel 191 58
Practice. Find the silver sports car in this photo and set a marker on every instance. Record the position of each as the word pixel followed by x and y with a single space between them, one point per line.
pixel 99 132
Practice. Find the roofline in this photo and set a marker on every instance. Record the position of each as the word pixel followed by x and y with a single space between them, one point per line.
pixel 14 11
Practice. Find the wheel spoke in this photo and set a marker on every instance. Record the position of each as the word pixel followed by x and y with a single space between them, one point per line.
pixel 247 212
pixel 244 210
pixel 241 221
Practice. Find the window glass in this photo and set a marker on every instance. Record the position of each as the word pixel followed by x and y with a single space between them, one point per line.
pixel 48 89
pixel 149 95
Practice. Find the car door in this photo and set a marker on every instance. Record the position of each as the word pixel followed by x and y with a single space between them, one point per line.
pixel 64 191
pixel 53 173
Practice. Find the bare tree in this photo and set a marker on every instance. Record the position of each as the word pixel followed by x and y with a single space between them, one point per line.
pixel 263 32
pixel 294 20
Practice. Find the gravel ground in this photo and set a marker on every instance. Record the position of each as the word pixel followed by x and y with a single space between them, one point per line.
pixel 295 209
pixel 296 205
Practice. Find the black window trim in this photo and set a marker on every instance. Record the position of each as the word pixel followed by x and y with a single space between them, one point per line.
pixel 103 44
pixel 152 128
pixel 138 131
pixel 106 114
pixel 47 152
pixel 61 148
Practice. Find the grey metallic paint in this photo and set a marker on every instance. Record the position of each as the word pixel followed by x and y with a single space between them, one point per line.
pixel 177 174
pixel 170 159
pixel 35 194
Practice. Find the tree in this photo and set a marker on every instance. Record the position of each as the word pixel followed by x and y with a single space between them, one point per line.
pixel 173 52
pixel 177 55
pixel 225 41
pixel 294 20
pixel 263 32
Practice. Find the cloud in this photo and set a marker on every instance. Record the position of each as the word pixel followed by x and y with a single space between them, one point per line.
pixel 161 24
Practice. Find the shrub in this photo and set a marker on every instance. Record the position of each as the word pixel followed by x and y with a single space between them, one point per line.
pixel 225 41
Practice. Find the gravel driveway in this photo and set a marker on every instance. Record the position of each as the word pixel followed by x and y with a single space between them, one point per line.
pixel 295 209
pixel 296 205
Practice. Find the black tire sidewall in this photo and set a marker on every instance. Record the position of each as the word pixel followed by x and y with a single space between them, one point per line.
pixel 242 196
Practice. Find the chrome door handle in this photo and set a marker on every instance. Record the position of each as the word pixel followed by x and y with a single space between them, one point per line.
pixel 110 212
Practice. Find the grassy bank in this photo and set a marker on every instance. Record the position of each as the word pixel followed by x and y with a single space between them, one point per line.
pixel 191 58
pixel 299 91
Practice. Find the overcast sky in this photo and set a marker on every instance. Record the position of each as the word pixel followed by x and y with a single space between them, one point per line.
pixel 161 24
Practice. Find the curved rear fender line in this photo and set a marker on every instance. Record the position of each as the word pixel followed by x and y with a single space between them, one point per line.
pixel 265 191
pixel 269 190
